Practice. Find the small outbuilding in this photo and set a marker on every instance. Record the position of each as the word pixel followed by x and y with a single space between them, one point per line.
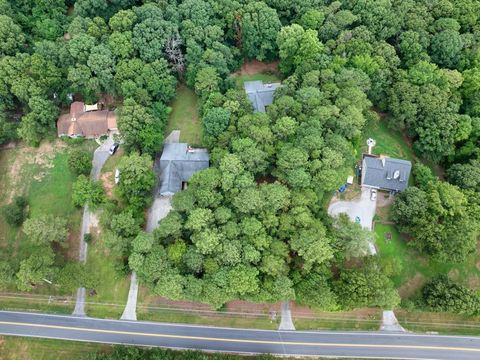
pixel 177 165
pixel 385 173
pixel 260 94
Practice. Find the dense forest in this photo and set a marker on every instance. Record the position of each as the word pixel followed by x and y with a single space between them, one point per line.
pixel 253 226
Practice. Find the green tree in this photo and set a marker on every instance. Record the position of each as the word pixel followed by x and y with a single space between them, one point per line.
pixel 86 192
pixel 39 121
pixel 444 295
pixel 260 25
pixel 136 179
pixel 79 162
pixel 215 122
pixel 446 47
pixel 207 81
pixel 123 20
pixel 35 268
pixel 16 212
pixel 367 286
pixel 6 274
pixel 315 291
pixel 352 237
pixel 11 36
pixel 150 37
pixel 46 229
pixel 140 131
pixel 465 176
pixel 441 220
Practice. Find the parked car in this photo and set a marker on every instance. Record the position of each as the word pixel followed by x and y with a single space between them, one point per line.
pixel 373 195
pixel 113 148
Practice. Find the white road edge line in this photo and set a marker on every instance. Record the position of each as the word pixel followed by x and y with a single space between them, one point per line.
pixel 210 351
pixel 323 332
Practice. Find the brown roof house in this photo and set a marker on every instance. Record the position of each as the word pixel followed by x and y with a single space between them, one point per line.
pixel 86 121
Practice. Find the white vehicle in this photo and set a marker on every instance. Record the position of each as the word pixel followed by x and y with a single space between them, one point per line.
pixel 113 148
pixel 373 195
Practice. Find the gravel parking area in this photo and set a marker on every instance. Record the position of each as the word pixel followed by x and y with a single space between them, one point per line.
pixel 363 208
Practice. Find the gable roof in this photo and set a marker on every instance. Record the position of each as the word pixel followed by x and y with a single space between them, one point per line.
pixel 177 164
pixel 260 94
pixel 385 173
pixel 80 122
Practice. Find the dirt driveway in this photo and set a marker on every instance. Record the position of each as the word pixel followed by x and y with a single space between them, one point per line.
pixel 363 208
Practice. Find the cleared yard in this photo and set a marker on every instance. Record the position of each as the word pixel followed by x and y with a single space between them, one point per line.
pixel 112 290
pixel 266 78
pixel 18 348
pixel 185 117
pixel 412 269
pixel 42 175
pixel 389 141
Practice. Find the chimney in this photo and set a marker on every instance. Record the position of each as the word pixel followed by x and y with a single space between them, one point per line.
pixel 370 143
pixel 383 161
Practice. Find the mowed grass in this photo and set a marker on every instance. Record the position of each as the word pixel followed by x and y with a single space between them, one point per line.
pixel 414 269
pixel 185 116
pixel 23 348
pixel 112 289
pixel 223 320
pixel 266 78
pixel 443 323
pixel 42 175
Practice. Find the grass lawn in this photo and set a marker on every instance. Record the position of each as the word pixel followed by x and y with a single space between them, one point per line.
pixel 414 269
pixel 112 289
pixel 107 175
pixel 388 141
pixel 23 348
pixel 443 323
pixel 360 319
pixel 223 320
pixel 42 175
pixel 266 78
pixel 185 117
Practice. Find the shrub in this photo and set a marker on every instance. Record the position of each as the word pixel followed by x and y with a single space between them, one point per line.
pixel 87 192
pixel 87 238
pixel 15 213
pixel 442 294
pixel 79 162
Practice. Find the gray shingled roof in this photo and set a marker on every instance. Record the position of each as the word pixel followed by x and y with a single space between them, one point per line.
pixel 387 174
pixel 260 94
pixel 177 164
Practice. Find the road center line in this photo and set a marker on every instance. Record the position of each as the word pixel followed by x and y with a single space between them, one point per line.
pixel 269 342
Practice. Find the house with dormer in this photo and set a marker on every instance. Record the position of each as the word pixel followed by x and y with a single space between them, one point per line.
pixel 385 173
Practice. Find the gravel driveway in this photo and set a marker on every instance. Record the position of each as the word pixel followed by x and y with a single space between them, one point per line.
pixel 364 208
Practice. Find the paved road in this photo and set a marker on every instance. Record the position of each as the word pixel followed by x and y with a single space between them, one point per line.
pixel 348 344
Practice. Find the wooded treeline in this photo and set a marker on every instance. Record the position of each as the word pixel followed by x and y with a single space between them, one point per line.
pixel 253 226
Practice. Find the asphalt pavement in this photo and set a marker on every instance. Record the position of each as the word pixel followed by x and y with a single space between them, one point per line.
pixel 325 343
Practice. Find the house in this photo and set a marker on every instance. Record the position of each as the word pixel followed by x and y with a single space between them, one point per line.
pixel 86 121
pixel 177 165
pixel 385 173
pixel 260 94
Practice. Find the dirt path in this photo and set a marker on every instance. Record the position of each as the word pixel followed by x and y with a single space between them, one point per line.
pixel 255 67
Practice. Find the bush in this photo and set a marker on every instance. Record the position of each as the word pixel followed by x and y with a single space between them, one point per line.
pixel 87 192
pixel 15 213
pixel 73 141
pixel 87 238
pixel 79 162
pixel 442 294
